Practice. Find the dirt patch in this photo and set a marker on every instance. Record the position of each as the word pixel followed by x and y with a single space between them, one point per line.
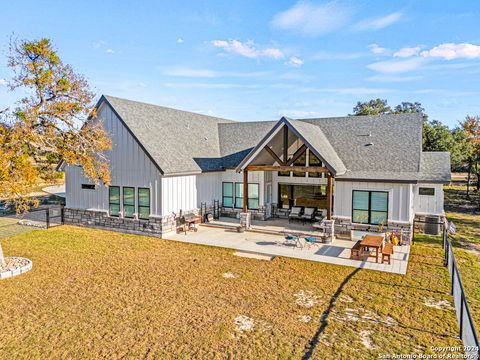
pixel 244 323
pixel 346 299
pixel 350 314
pixel 438 304
pixel 304 318
pixel 306 298
pixel 366 339
pixel 229 275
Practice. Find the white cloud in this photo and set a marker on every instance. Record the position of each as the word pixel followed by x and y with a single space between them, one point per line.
pixel 450 51
pixel 180 40
pixel 3 82
pixel 396 66
pixel 378 23
pixel 407 52
pixel 377 50
pixel 248 49
pixel 310 19
pixel 110 51
pixel 295 61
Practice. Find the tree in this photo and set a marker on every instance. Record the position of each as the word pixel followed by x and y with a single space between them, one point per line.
pixel 410 108
pixel 471 129
pixel 461 151
pixel 55 121
pixel 372 107
pixel 437 137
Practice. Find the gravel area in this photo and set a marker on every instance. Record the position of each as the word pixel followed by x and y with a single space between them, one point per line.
pixel 13 263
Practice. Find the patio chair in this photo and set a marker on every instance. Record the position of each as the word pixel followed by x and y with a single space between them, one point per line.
pixel 308 214
pixel 311 241
pixel 319 215
pixel 290 239
pixel 295 213
pixel 301 243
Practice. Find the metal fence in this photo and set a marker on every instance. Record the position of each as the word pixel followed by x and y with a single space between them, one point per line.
pixel 465 322
pixel 43 217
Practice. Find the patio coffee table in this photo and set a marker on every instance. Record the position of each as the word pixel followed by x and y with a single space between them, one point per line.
pixel 371 241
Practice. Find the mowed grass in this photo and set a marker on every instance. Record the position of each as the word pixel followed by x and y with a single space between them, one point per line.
pixel 464 213
pixel 99 294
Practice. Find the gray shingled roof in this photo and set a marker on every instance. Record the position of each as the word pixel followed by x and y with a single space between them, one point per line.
pixel 374 147
pixel 178 141
pixel 435 167
pixel 314 136
pixel 386 147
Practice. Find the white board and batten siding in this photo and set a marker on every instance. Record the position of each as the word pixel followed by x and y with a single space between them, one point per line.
pixel 428 204
pixel 129 166
pixel 399 199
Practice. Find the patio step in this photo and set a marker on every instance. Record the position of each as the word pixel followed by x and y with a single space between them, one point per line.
pixel 253 255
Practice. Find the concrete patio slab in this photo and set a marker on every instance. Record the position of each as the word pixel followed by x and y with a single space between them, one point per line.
pixel 337 253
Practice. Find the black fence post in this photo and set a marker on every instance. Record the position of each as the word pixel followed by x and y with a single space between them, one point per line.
pixel 462 299
pixel 47 217
pixel 62 215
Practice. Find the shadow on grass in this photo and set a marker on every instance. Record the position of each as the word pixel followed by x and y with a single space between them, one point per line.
pixel 324 318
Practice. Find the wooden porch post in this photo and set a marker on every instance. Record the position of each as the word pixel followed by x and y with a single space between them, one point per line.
pixel 329 196
pixel 245 190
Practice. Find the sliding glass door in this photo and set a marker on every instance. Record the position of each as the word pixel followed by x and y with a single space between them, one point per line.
pixel 302 195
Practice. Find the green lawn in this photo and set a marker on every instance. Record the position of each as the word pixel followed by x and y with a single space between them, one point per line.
pixel 94 294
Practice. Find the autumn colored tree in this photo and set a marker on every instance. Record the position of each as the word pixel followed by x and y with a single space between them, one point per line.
pixel 55 121
pixel 471 129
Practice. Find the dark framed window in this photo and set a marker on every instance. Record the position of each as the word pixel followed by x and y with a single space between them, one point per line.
pixel 253 201
pixel 114 200
pixel 227 194
pixel 238 195
pixel 253 196
pixel 426 191
pixel 301 161
pixel 314 161
pixel 369 207
pixel 88 187
pixel 143 203
pixel 128 202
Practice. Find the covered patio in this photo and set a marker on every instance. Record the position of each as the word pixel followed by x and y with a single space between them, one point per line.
pixel 301 149
pixel 269 243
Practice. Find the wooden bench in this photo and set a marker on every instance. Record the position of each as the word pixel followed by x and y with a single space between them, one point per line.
pixel 387 252
pixel 355 251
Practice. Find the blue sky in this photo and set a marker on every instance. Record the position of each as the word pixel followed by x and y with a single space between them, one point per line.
pixel 264 59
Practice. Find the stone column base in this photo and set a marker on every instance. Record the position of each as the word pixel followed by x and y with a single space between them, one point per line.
pixel 246 220
pixel 329 230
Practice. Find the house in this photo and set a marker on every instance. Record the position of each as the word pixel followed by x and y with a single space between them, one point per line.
pixel 365 171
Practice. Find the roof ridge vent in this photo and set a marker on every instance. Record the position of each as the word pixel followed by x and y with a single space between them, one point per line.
pixel 369 144
pixel 369 134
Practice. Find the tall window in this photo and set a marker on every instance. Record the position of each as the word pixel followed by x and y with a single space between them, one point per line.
pixel 143 203
pixel 313 161
pixel 253 196
pixel 253 201
pixel 239 195
pixel 301 161
pixel 227 194
pixel 114 200
pixel 128 202
pixel 369 207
